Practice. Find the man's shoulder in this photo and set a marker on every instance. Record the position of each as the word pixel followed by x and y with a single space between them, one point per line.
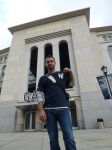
pixel 43 78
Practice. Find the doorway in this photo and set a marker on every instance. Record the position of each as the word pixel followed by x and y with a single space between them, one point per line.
pixel 73 113
pixel 30 121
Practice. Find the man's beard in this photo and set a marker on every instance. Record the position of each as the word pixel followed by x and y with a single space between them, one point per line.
pixel 51 68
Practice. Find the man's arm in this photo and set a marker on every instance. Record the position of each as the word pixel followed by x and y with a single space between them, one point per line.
pixel 72 82
pixel 42 114
pixel 41 99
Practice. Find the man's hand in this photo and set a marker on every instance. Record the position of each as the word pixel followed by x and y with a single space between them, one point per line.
pixel 42 115
pixel 66 69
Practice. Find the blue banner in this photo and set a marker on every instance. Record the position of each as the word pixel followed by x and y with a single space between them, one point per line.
pixel 104 86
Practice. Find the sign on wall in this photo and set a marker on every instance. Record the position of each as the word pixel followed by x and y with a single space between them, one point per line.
pixel 104 86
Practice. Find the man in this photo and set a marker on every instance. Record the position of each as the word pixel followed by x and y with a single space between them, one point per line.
pixel 53 106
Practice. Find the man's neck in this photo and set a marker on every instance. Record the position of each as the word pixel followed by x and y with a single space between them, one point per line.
pixel 51 71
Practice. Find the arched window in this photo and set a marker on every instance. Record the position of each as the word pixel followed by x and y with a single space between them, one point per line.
pixel 48 51
pixel 2 76
pixel 33 69
pixel 64 55
pixel 110 52
pixel 3 71
pixel 1 59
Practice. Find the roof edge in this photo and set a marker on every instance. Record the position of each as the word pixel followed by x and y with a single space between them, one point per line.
pixel 85 11
pixel 5 50
pixel 101 29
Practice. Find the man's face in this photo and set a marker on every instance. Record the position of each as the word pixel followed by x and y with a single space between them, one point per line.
pixel 50 63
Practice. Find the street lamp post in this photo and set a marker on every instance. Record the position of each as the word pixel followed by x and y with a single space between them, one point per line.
pixel 105 72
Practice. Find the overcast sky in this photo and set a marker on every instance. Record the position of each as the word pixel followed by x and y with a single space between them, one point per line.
pixel 15 12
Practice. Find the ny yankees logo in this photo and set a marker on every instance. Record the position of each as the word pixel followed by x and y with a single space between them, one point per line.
pixel 60 75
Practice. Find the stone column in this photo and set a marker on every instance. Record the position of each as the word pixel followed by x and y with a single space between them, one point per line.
pixel 40 62
pixel 73 67
pixel 80 117
pixel 56 54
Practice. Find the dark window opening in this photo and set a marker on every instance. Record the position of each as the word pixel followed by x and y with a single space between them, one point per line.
pixel 33 70
pixel 30 121
pixel 33 120
pixel 2 77
pixel 48 51
pixel 31 87
pixel 64 55
pixel 3 71
pixel 110 52
pixel 27 123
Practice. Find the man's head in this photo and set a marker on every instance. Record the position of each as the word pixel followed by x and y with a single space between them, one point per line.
pixel 50 63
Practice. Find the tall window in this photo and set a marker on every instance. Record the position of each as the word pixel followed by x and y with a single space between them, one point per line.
pixel 2 76
pixel 107 38
pixel 48 51
pixel 110 38
pixel 110 51
pixel 64 55
pixel 33 69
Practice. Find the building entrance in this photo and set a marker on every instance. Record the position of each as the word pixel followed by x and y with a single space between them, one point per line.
pixel 73 113
pixel 30 121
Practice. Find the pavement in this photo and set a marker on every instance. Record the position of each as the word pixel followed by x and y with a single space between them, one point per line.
pixel 91 139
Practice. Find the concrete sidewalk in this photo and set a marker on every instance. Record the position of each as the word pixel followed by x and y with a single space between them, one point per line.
pixel 93 139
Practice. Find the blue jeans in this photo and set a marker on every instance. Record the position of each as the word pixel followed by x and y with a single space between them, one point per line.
pixel 61 116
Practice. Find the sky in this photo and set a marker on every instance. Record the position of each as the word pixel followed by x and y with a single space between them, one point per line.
pixel 16 12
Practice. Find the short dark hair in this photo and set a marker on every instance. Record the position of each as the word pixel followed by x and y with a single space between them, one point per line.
pixel 49 56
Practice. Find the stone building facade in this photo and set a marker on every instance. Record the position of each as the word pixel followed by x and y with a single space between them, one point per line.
pixel 70 40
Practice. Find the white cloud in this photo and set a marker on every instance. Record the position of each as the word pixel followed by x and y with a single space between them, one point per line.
pixel 21 11
pixel 16 12
pixel 101 13
pixel 5 38
pixel 62 6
